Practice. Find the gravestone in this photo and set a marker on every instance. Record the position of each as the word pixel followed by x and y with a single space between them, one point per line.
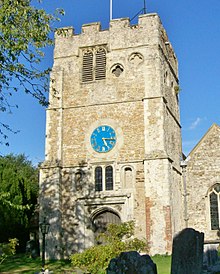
pixel 187 253
pixel 210 254
pixel 132 263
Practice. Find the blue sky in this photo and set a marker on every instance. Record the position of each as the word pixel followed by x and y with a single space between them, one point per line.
pixel 193 28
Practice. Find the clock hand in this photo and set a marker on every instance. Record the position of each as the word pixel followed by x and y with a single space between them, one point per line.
pixel 112 138
pixel 104 141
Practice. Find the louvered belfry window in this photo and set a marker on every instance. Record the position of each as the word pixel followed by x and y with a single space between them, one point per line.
pixel 100 64
pixel 87 72
pixel 94 64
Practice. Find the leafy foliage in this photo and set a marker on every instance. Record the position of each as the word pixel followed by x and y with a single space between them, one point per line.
pixel 18 196
pixel 8 249
pixel 117 239
pixel 24 33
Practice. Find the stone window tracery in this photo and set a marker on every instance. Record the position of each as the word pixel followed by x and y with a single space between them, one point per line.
pixel 214 202
pixel 136 58
pixel 117 70
pixel 94 64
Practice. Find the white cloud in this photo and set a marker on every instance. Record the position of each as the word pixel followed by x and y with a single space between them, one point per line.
pixel 195 123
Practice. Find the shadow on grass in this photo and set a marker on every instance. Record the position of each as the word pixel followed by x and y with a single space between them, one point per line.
pixel 25 264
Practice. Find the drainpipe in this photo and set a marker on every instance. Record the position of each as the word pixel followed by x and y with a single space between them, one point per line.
pixel 183 164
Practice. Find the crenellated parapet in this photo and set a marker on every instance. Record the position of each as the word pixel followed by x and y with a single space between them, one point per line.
pixel 121 34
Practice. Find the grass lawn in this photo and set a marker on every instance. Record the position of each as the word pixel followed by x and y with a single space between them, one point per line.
pixel 163 264
pixel 23 264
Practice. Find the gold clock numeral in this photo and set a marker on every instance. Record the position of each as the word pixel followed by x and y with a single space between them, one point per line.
pixel 103 128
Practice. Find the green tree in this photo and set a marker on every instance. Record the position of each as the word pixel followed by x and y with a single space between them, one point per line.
pixel 24 33
pixel 116 239
pixel 8 249
pixel 18 197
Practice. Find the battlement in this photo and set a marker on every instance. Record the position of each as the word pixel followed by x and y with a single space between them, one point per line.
pixel 95 27
pixel 121 34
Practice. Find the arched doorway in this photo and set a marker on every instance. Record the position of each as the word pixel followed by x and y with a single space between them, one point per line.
pixel 101 220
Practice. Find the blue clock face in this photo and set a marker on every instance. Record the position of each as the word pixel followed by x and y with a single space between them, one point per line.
pixel 103 139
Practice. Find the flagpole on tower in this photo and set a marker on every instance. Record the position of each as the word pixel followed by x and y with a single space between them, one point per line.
pixel 145 8
pixel 142 11
pixel 110 9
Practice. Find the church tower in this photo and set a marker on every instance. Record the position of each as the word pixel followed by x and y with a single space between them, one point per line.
pixel 113 138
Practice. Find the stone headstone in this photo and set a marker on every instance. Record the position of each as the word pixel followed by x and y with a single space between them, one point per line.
pixel 210 254
pixel 187 253
pixel 132 263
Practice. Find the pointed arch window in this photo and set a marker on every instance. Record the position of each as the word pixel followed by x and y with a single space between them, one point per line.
pixel 214 201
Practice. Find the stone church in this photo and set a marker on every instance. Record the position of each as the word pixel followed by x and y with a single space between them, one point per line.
pixel 201 175
pixel 113 139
